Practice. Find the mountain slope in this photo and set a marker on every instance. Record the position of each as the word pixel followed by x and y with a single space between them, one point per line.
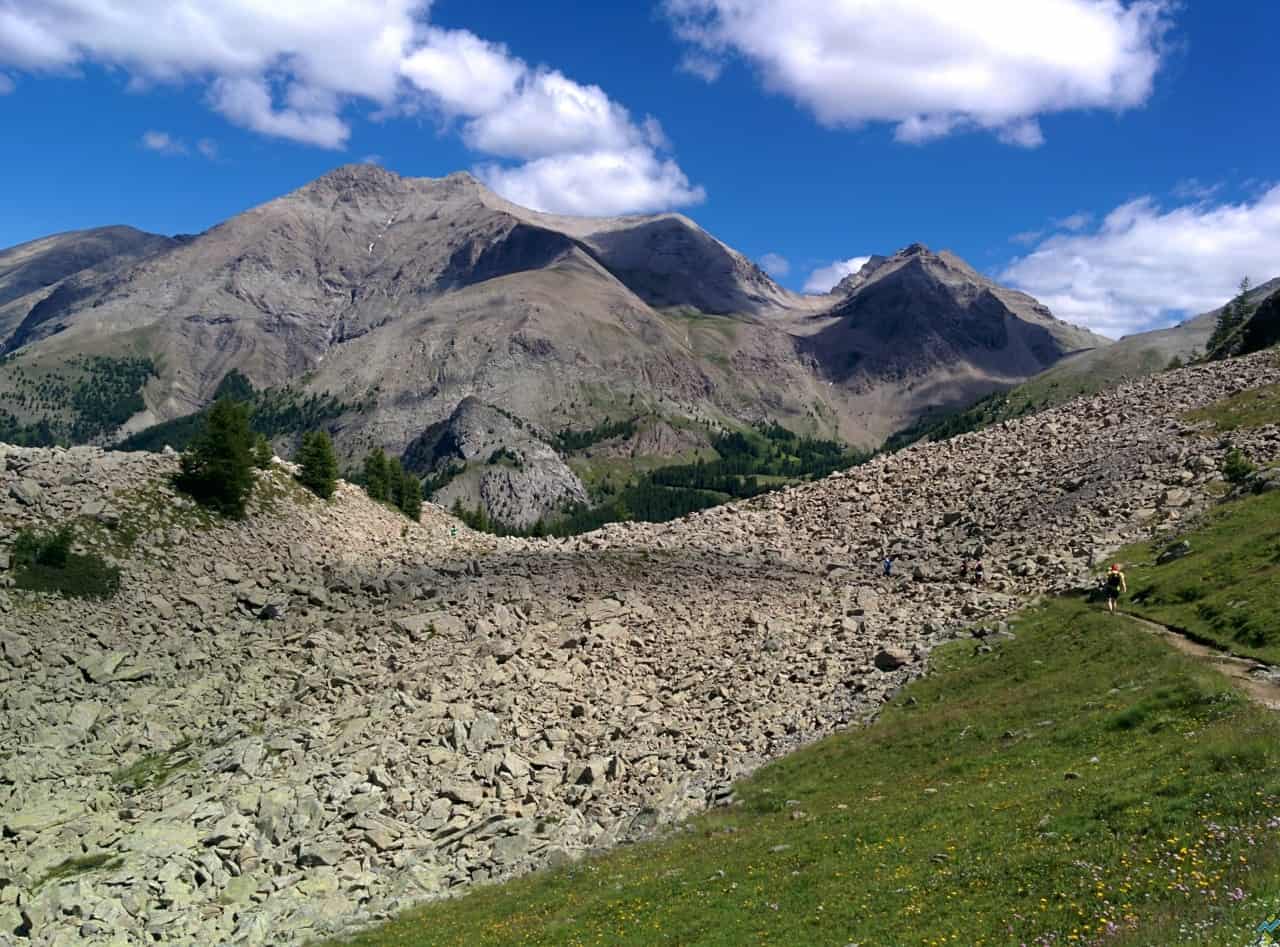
pixel 1260 329
pixel 323 712
pixel 29 271
pixel 406 296
pixel 933 333
pixel 492 461
pixel 1092 371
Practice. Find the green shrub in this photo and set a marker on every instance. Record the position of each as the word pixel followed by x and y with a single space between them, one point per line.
pixel 217 469
pixel 1236 467
pixel 43 549
pixel 44 562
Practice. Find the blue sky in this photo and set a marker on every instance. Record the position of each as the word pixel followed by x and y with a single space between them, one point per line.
pixel 1117 159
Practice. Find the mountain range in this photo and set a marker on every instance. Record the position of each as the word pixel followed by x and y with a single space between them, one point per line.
pixel 395 299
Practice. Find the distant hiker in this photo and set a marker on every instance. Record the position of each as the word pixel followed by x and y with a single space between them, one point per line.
pixel 888 566
pixel 979 576
pixel 1115 585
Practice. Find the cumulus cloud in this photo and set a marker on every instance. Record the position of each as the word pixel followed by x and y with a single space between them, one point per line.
pixel 465 74
pixel 552 115
pixel 825 278
pixel 163 142
pixel 293 70
pixel 934 67
pixel 775 264
pixel 602 182
pixel 1145 266
pixel 306 119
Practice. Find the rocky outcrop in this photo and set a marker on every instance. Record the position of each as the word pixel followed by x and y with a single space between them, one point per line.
pixel 1260 330
pixel 502 466
pixel 284 726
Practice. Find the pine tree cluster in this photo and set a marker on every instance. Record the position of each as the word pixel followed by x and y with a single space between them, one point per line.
pixel 386 481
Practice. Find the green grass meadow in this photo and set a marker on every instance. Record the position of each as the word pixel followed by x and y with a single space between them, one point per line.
pixel 1226 591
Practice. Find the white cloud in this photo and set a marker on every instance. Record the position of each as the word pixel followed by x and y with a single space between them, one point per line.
pixel 6 84
pixel 1145 266
pixel 552 115
pixel 825 278
pixel 248 102
pixel 465 74
pixel 1026 237
pixel 706 68
pixel 292 69
pixel 1074 222
pixel 1193 189
pixel 603 182
pixel 163 142
pixel 934 67
pixel 775 264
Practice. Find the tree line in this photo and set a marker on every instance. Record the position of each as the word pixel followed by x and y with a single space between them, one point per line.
pixel 217 467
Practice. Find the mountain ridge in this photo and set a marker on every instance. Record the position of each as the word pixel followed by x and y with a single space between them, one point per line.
pixel 410 294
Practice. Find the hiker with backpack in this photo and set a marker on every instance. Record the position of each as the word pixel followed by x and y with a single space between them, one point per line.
pixel 1115 584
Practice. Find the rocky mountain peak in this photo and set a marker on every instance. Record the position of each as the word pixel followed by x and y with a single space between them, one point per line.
pixel 356 177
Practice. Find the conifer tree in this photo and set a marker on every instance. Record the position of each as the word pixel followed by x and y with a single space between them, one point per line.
pixel 411 496
pixel 217 468
pixel 319 472
pixel 376 481
pixel 1234 314
pixel 395 481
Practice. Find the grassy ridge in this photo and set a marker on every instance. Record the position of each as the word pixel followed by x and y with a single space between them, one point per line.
pixel 1081 784
pixel 1227 589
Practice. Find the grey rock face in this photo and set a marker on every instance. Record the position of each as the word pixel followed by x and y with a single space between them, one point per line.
pixel 510 471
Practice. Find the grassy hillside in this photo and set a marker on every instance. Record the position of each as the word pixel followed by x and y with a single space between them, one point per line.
pixel 1226 590
pixel 1073 377
pixel 1083 783
pixel 1253 408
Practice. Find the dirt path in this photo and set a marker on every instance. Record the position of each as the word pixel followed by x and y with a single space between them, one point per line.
pixel 1260 681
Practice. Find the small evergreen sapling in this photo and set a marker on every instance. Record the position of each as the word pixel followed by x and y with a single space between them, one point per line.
pixel 262 452
pixel 1236 467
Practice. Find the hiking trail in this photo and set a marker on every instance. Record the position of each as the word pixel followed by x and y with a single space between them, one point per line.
pixel 1261 681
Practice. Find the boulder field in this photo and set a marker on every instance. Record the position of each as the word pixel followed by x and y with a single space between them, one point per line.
pixel 290 725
